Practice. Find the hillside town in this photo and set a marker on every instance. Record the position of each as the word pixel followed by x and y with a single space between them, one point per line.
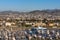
pixel 34 25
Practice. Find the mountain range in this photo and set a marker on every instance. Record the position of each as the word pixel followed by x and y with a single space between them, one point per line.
pixel 55 12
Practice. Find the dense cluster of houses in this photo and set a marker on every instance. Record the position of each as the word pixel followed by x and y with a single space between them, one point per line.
pixel 39 33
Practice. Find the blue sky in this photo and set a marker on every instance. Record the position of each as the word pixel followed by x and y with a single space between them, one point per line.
pixel 28 5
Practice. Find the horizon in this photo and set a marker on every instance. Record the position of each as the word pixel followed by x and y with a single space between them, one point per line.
pixel 29 11
pixel 28 5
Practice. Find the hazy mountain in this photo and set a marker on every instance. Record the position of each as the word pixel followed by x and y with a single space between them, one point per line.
pixel 51 12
